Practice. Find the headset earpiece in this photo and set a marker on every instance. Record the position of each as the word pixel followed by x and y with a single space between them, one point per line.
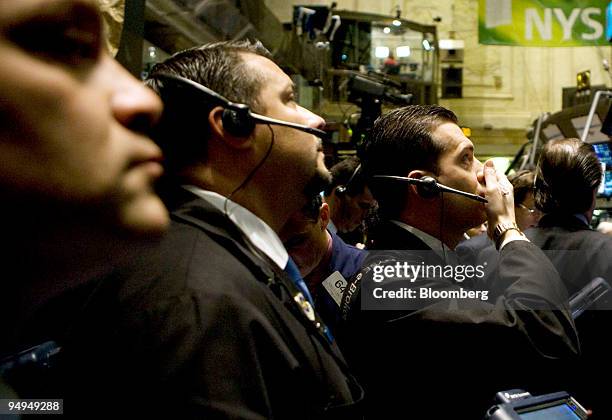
pixel 342 189
pixel 427 187
pixel 237 121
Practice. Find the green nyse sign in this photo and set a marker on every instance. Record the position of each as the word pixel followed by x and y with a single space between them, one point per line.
pixel 544 23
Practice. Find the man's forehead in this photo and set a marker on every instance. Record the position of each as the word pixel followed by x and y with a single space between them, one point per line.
pixel 14 11
pixel 450 137
pixel 268 71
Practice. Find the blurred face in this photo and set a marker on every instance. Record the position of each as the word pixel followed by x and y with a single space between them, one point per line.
pixel 305 241
pixel 353 210
pixel 526 214
pixel 72 121
pixel 458 169
pixel 478 230
pixel 296 156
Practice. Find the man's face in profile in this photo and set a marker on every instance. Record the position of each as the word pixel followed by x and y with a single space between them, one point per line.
pixel 458 168
pixel 353 209
pixel 72 121
pixel 306 240
pixel 296 155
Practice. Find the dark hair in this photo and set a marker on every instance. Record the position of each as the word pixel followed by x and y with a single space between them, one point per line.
pixel 182 131
pixel 344 173
pixel 312 208
pixel 400 142
pixel 567 173
pixel 522 181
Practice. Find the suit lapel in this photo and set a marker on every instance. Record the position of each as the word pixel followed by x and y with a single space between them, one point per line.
pixel 199 213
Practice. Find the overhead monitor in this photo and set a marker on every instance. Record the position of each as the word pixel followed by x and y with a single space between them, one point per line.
pixel 552 132
pixel 595 135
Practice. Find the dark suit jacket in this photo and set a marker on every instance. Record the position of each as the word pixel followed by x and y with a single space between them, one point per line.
pixel 581 254
pixel 448 358
pixel 468 250
pixel 578 252
pixel 202 327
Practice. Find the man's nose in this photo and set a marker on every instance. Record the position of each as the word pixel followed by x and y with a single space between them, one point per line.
pixel 134 105
pixel 313 120
pixel 479 169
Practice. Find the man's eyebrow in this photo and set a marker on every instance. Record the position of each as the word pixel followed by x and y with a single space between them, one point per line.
pixel 290 88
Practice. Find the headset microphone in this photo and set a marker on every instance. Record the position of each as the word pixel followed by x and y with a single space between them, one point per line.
pixel 238 119
pixel 428 187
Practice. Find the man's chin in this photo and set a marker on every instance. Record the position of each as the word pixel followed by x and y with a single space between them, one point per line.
pixel 146 218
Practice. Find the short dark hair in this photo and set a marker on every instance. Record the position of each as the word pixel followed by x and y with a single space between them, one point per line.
pixel 398 143
pixel 567 173
pixel 522 181
pixel 182 131
pixel 345 171
pixel 312 208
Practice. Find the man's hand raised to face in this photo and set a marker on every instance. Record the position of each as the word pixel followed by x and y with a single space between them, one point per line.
pixel 500 209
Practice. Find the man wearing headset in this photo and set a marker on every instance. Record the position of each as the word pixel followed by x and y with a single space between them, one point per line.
pixel 349 199
pixel 432 343
pixel 216 321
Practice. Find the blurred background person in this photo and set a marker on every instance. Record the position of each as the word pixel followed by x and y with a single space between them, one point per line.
pixel 525 210
pixel 318 253
pixel 568 175
pixel 567 178
pixel 391 65
pixel 349 200
pixel 525 213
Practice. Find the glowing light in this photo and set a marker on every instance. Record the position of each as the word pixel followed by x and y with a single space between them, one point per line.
pixel 403 51
pixel 386 30
pixel 381 52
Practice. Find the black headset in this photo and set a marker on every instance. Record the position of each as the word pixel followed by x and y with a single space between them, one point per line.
pixel 428 187
pixel 238 119
pixel 343 189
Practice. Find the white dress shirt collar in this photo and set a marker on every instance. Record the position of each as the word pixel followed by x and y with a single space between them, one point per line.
pixel 256 230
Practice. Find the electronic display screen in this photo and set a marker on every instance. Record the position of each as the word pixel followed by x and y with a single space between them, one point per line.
pixel 602 150
pixel 604 154
pixel 557 412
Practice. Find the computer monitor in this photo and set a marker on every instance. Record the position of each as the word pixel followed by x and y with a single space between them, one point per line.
pixel 604 154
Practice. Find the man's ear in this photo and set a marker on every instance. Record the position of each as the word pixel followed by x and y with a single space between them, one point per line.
pixel 215 121
pixel 418 174
pixel 324 216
